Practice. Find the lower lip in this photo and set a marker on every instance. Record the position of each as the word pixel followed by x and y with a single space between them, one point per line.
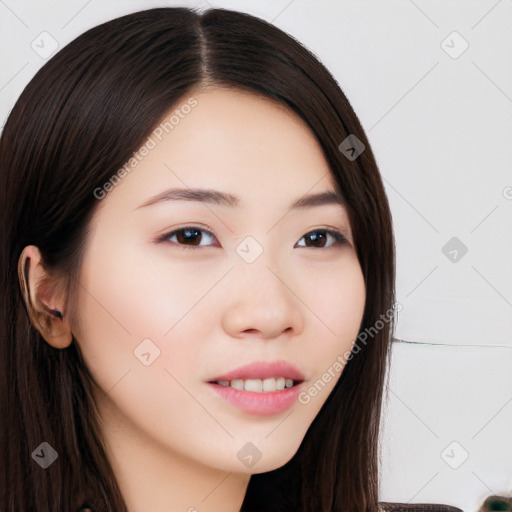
pixel 262 404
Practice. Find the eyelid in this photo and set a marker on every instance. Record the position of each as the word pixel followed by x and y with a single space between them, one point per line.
pixel 338 235
pixel 198 227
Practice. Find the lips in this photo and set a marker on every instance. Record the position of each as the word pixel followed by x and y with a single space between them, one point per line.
pixel 247 387
pixel 262 370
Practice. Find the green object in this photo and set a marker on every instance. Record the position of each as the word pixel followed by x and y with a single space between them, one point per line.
pixel 497 503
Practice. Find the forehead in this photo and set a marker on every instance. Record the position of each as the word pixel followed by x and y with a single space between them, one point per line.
pixel 237 126
pixel 233 140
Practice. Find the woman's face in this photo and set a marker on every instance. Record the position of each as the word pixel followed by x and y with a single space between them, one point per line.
pixel 164 310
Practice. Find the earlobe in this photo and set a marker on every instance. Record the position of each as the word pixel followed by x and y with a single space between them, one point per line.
pixel 44 311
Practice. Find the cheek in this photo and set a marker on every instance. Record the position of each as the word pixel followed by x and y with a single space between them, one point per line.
pixel 337 301
pixel 337 304
pixel 133 305
pixel 137 340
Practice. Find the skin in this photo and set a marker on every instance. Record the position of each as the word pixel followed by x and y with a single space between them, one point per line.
pixel 172 442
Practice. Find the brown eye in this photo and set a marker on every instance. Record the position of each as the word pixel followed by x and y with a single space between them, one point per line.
pixel 193 236
pixel 319 238
pixel 189 236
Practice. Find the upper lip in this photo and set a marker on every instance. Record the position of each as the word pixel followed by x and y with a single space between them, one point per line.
pixel 263 370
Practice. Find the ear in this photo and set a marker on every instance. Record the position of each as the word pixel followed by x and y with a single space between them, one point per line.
pixel 44 299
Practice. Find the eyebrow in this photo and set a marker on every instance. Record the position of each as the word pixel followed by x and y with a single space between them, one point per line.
pixel 217 197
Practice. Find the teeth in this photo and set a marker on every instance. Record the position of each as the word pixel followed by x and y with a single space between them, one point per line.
pixel 237 384
pixel 258 385
pixel 253 385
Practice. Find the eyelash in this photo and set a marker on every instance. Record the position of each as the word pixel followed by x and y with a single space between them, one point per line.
pixel 336 235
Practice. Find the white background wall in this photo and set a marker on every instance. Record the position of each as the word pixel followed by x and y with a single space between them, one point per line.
pixel 439 119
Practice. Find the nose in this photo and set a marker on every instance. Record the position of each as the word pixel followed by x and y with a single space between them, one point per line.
pixel 262 304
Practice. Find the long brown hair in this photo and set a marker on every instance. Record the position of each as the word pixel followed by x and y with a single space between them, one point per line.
pixel 82 116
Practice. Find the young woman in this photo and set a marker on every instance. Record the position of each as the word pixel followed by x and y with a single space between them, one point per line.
pixel 195 236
